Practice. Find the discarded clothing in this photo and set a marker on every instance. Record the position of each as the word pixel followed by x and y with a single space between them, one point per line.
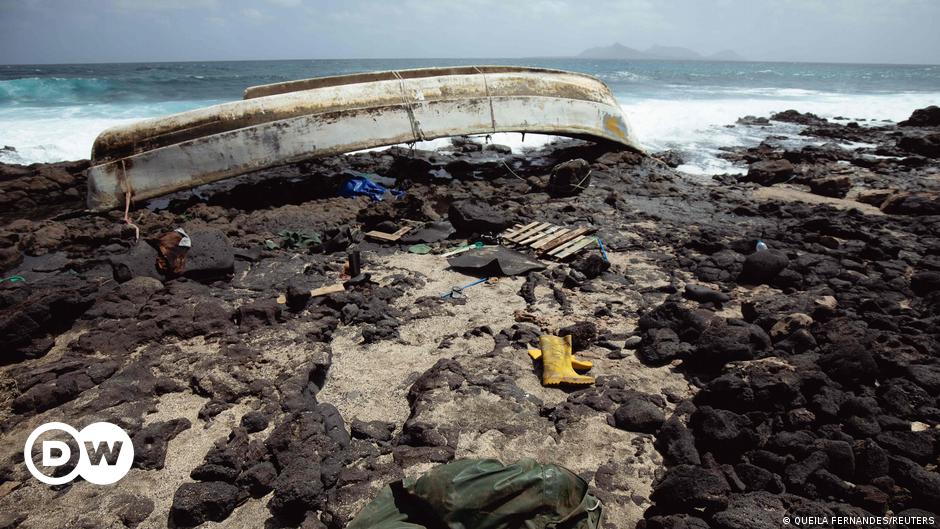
pixel 559 363
pixel 495 261
pixel 485 494
pixel 360 185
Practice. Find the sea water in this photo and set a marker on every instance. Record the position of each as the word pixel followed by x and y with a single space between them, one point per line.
pixel 54 112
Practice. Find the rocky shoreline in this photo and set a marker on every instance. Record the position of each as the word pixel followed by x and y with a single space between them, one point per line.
pixel 734 386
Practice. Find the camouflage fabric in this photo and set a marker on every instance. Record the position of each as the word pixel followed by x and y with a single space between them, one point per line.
pixel 484 494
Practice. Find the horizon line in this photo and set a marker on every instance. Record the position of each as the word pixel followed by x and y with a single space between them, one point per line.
pixel 536 57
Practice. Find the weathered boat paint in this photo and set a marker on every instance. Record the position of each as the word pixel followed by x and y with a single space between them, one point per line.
pixel 289 122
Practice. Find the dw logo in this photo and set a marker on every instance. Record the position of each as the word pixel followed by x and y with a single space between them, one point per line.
pixel 105 453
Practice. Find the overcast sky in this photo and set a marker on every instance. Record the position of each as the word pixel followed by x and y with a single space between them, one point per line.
pixel 67 31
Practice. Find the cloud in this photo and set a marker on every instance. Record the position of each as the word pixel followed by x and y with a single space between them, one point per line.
pixel 157 5
pixel 285 3
pixel 254 14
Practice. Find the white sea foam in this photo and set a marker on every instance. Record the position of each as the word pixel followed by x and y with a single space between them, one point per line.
pixel 697 126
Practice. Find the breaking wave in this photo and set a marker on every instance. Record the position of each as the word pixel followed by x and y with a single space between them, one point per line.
pixel 52 91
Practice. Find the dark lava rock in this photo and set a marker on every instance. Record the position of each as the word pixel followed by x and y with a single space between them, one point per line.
pixel 297 489
pixel 831 186
pixel 675 521
pixel 591 266
pixel 639 415
pixel 150 443
pixel 722 432
pixel 769 172
pixel 722 342
pixel 915 204
pixel 755 510
pixel 917 446
pixel 569 178
pixel 925 145
pixel 258 480
pixel 923 484
pixel 140 261
pixel 476 216
pixel 254 421
pixel 677 444
pixel 661 346
pixel 923 117
pixel 372 430
pixel 195 503
pixel 793 116
pixel 704 294
pixel 753 120
pixel 684 488
pixel 923 283
pixel 762 267
pixel 211 256
pixel 583 334
pixel 758 478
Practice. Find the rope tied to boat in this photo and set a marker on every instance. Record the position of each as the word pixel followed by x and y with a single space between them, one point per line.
pixel 128 193
pixel 409 109
pixel 489 98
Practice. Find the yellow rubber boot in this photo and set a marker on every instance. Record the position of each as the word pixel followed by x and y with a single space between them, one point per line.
pixel 576 364
pixel 556 362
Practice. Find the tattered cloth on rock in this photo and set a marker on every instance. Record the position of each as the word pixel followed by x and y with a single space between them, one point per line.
pixel 485 494
pixel 495 261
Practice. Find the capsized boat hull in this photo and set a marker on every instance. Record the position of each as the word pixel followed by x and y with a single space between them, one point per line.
pixel 289 122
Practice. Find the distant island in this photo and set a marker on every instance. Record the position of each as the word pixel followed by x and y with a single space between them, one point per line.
pixel 675 53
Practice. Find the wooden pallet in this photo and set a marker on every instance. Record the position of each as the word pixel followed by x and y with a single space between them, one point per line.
pixel 550 240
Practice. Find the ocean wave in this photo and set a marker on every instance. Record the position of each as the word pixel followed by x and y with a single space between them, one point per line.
pixel 624 75
pixel 52 90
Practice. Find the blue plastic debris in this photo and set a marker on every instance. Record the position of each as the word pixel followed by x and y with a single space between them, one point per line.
pixel 359 184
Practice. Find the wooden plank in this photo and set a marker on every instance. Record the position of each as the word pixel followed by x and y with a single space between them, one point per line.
pixel 540 235
pixel 540 243
pixel 558 241
pixel 518 228
pixel 525 233
pixel 568 245
pixel 577 247
pixel 391 237
pixel 329 289
pixel 562 247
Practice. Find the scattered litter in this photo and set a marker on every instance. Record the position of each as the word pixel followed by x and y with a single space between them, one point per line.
pixel 457 292
pixel 419 249
pixel 603 250
pixel 495 261
pixel 361 185
pixel 558 363
pixel 522 494
pixel 295 240
pixel 761 246
pixel 321 291
pixel 172 248
pixel 432 232
pixel 390 237
pixel 464 248
pixel 353 264
pixel 13 279
pixel 329 289
pixel 550 240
